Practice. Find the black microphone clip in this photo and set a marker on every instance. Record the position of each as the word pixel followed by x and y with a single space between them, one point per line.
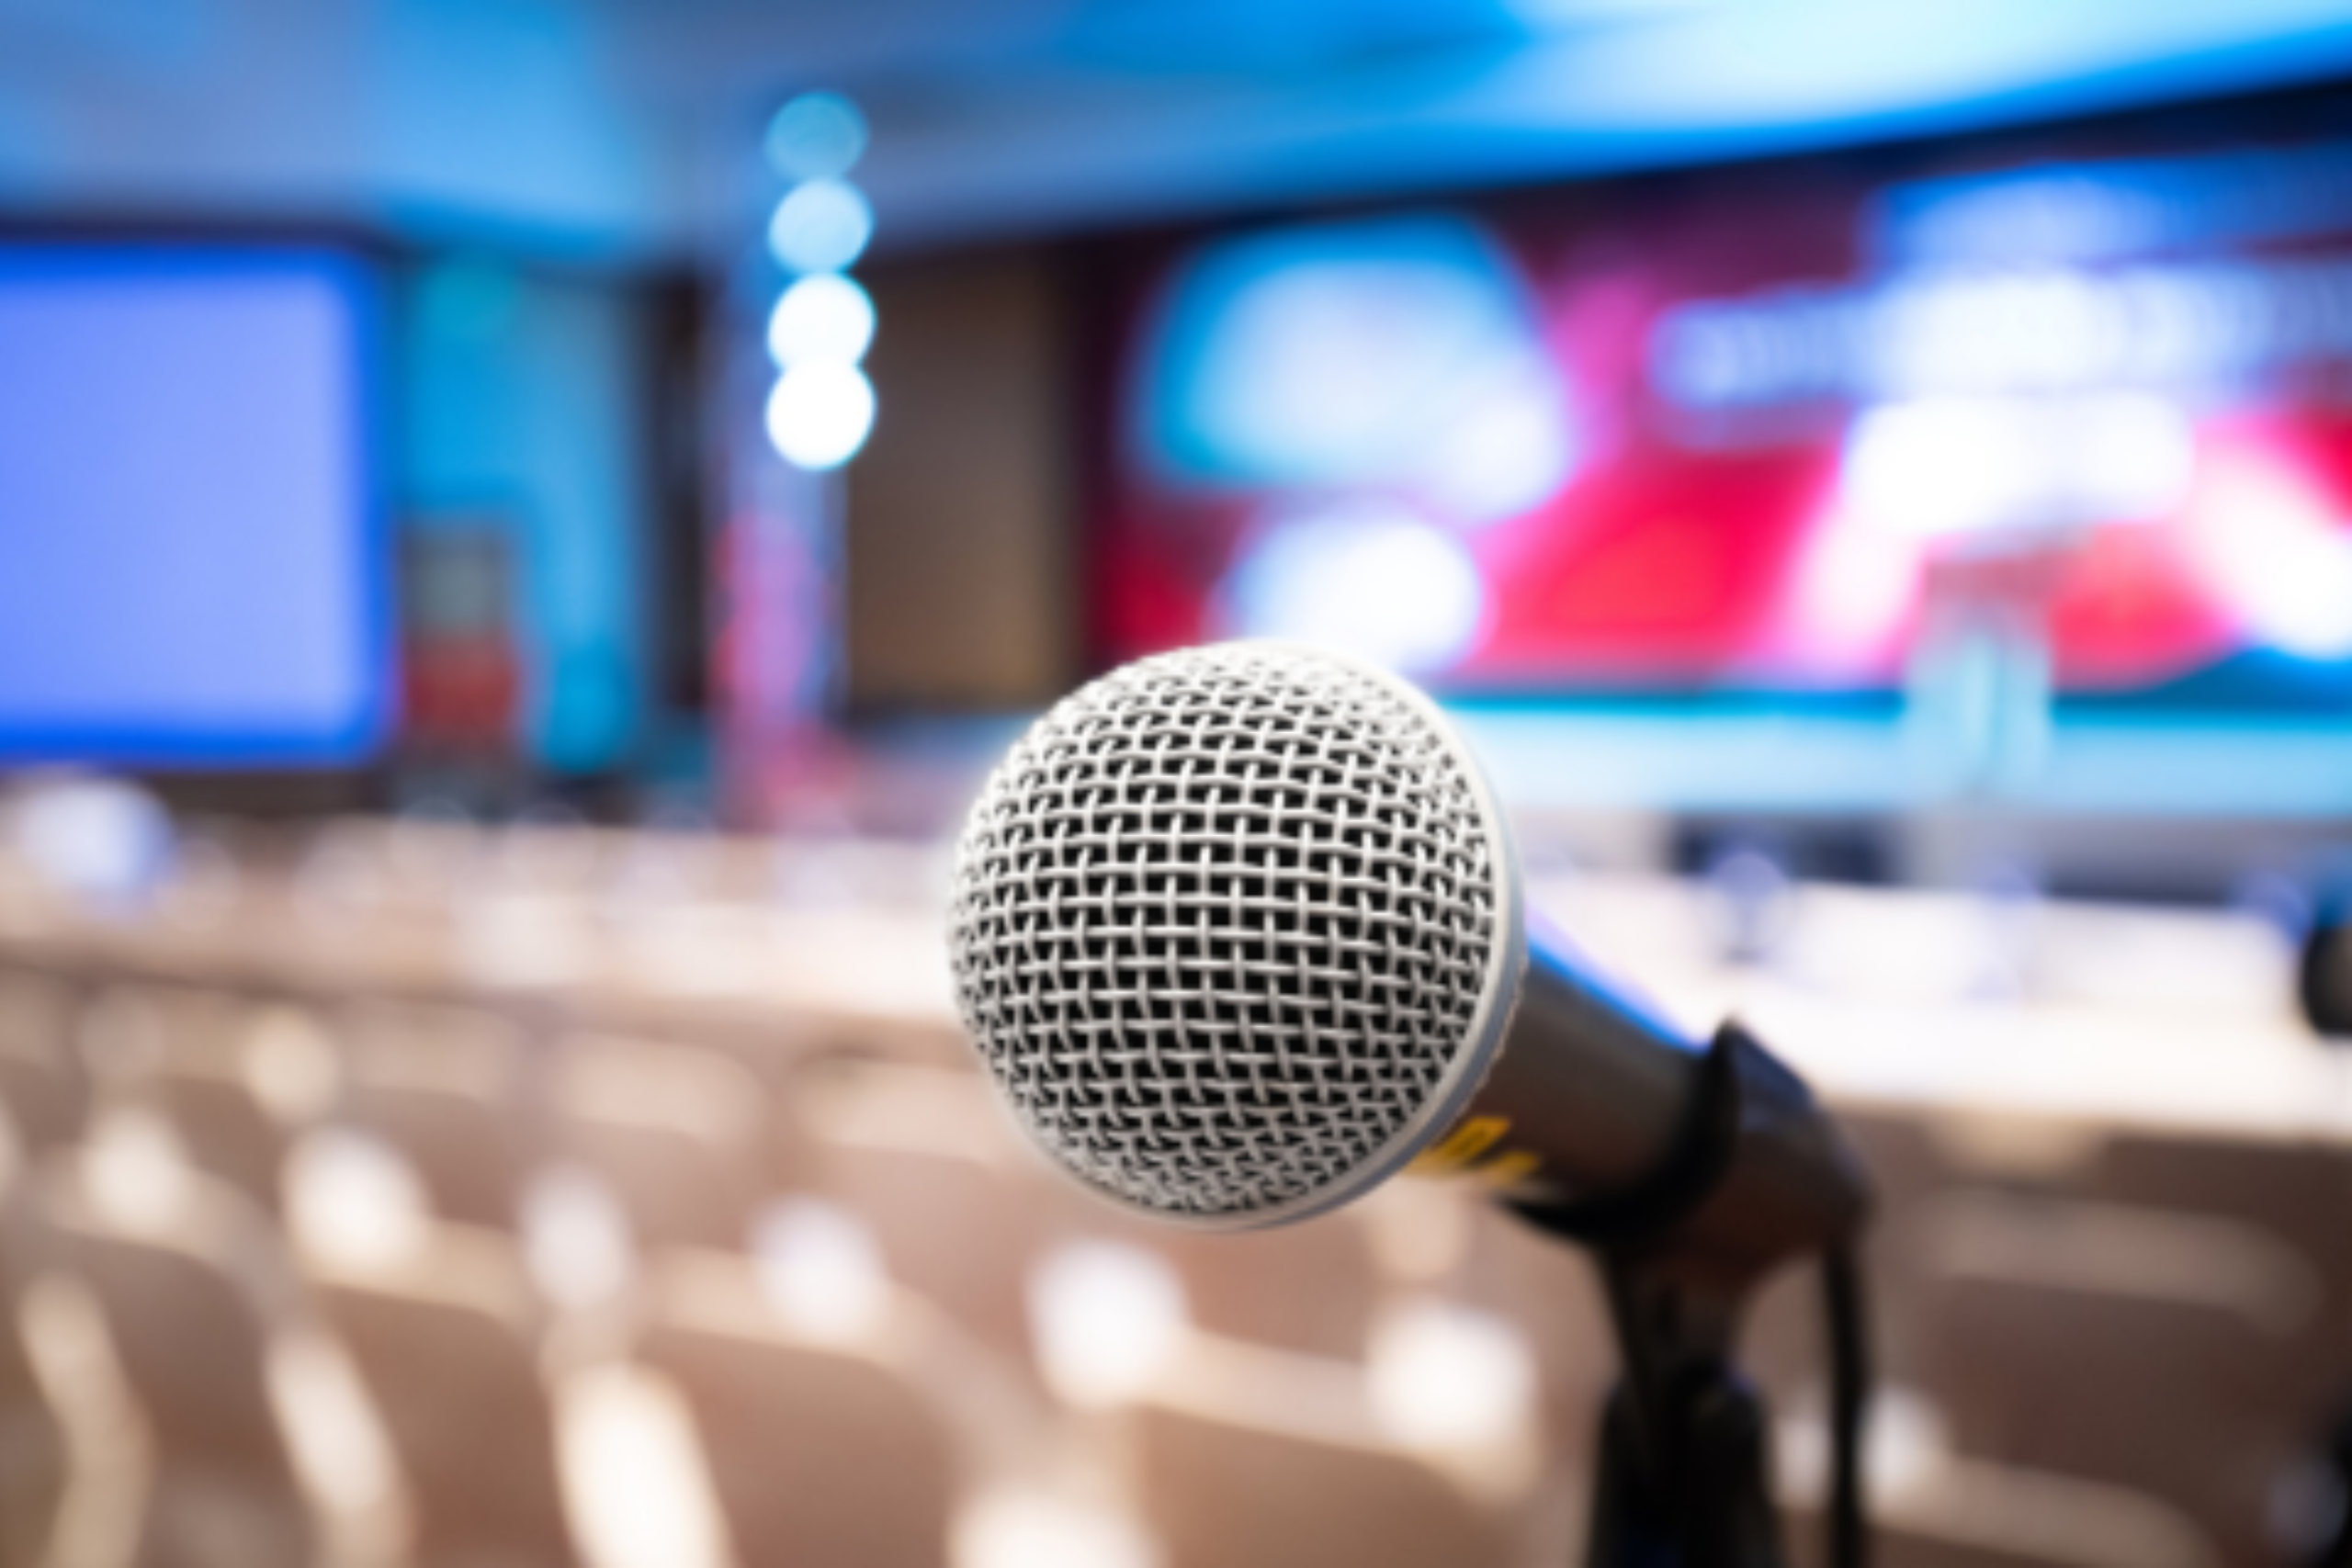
pixel 1685 1437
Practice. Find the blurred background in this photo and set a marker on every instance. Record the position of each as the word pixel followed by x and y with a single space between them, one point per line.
pixel 524 522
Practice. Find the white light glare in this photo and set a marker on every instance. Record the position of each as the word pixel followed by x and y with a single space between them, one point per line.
pixel 1505 447
pixel 136 1169
pixel 1445 1376
pixel 576 1241
pixel 100 840
pixel 1106 1318
pixel 817 136
pixel 820 1270
pixel 819 414
pixel 1964 465
pixel 290 1067
pixel 1394 356
pixel 634 1471
pixel 351 1199
pixel 824 319
pixel 821 226
pixel 2272 545
pixel 1011 1529
pixel 1369 578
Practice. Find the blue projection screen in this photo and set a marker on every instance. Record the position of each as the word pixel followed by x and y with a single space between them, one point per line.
pixel 191 566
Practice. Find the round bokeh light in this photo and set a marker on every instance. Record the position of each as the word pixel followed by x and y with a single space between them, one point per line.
pixel 819 414
pixel 824 318
pixel 820 227
pixel 817 136
pixel 1369 577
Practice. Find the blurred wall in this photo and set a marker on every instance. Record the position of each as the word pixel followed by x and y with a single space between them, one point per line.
pixel 419 114
pixel 522 407
pixel 960 521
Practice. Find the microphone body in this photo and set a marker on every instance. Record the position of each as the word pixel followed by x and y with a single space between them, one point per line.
pixel 1591 1096
pixel 2323 978
pixel 1239 933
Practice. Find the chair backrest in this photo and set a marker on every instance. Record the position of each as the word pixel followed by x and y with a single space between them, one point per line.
pixel 192 1287
pixel 225 1129
pixel 1310 1287
pixel 1223 1494
pixel 33 1457
pixel 922 1155
pixel 42 1087
pixel 447 1090
pixel 2300 1194
pixel 190 1346
pixel 234 1080
pixel 446 1341
pixel 819 1452
pixel 1955 1543
pixel 676 1131
pixel 2140 1348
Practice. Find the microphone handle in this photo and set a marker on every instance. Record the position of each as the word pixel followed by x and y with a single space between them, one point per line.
pixel 1591 1078
pixel 1594 1105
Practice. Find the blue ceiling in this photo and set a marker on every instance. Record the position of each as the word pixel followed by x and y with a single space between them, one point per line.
pixel 626 128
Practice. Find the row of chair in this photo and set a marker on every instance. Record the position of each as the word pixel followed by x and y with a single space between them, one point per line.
pixel 2129 1338
pixel 479 1224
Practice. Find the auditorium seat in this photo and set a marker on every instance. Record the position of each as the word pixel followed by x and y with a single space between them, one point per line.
pixel 553 856
pixel 191 1289
pixel 1228 1493
pixel 924 1156
pixel 237 1091
pixel 32 1449
pixel 1423 1444
pixel 446 1330
pixel 1900 1154
pixel 2139 1348
pixel 33 1456
pixel 1943 1511
pixel 824 1447
pixel 448 1089
pixel 675 1132
pixel 227 1134
pixel 128 1032
pixel 1979 1540
pixel 1309 1287
pixel 2216 1302
pixel 43 1086
pixel 2299 1193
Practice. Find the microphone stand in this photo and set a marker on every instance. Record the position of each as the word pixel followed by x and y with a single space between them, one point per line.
pixel 1682 1478
pixel 2323 988
pixel 1681 1475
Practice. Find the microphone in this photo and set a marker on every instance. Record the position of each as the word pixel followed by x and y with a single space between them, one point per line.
pixel 1239 935
pixel 2324 978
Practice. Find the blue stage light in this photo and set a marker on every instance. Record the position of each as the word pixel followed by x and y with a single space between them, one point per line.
pixel 821 226
pixel 819 414
pixel 824 319
pixel 817 136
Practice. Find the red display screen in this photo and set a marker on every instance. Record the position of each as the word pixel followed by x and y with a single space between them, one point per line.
pixel 1815 428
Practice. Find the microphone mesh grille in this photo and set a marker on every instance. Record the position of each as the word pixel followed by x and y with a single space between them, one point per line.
pixel 1220 921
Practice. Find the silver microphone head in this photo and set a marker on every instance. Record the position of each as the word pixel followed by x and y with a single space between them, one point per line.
pixel 1235 930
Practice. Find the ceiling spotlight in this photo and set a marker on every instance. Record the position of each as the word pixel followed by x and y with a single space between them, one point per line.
pixel 824 319
pixel 819 414
pixel 817 136
pixel 821 226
